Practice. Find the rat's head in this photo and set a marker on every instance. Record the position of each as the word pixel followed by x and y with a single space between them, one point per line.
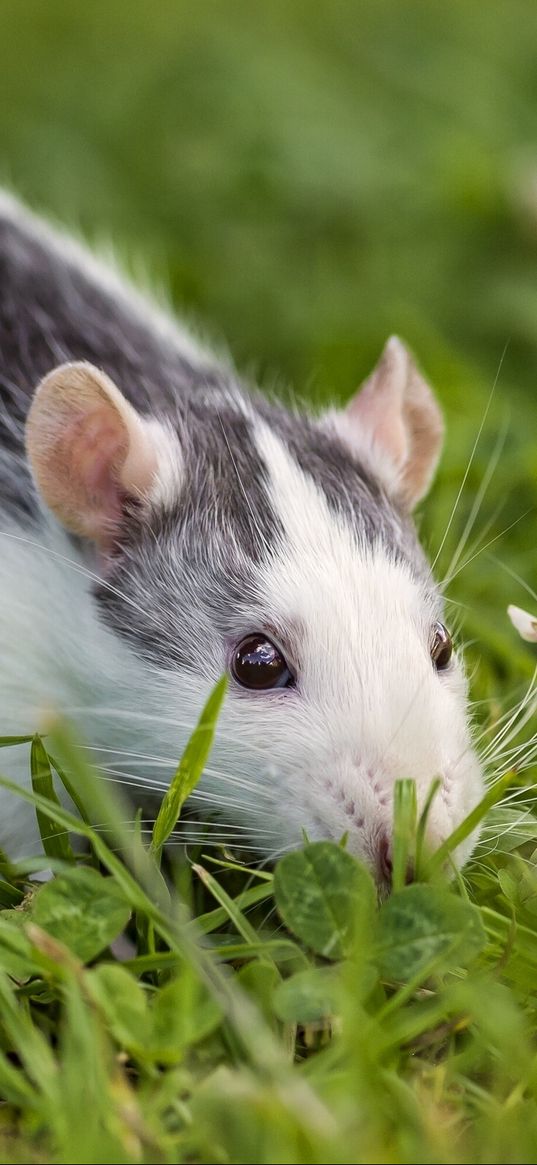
pixel 236 536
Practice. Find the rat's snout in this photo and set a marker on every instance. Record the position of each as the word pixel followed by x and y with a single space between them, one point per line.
pixel 384 858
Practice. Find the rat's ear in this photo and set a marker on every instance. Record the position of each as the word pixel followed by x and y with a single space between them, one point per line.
pixel 395 419
pixel 88 450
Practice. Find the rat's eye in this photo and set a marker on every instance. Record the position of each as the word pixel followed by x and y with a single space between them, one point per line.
pixel 442 647
pixel 257 663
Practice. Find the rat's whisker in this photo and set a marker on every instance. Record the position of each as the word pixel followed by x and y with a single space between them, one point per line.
pixel 471 558
pixel 78 567
pixel 502 745
pixel 517 577
pixel 512 720
pixel 235 778
pixel 479 498
pixel 470 460
pixel 132 780
pixel 154 721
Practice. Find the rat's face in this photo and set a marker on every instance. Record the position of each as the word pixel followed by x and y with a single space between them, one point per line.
pixel 281 551
pixel 343 677
pixel 345 681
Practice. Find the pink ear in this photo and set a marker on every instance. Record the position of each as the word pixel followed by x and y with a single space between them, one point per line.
pixel 88 449
pixel 395 420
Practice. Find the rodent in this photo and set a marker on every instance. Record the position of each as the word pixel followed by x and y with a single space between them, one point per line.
pixel 162 523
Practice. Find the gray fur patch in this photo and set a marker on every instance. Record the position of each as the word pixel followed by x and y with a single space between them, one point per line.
pixel 50 312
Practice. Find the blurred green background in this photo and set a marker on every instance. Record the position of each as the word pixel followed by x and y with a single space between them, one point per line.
pixel 305 177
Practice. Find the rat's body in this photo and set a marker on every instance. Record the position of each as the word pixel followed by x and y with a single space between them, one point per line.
pixel 207 516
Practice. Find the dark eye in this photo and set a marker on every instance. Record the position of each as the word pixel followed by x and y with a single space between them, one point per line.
pixel 442 647
pixel 258 664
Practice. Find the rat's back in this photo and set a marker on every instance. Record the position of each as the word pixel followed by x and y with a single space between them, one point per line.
pixel 58 303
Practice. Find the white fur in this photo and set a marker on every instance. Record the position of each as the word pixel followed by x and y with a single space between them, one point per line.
pixel 59 657
pixel 169 477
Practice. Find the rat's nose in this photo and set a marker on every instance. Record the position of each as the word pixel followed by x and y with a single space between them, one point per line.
pixel 384 858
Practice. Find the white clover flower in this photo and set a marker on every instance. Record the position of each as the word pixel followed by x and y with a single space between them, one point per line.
pixel 525 623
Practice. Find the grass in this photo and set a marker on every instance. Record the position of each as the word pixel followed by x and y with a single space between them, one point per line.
pixel 266 1016
pixel 305 179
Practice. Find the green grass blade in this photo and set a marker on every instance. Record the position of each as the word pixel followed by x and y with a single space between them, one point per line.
pixel 9 895
pixel 28 1041
pixel 189 769
pixel 210 921
pixel 228 904
pixel 280 950
pixel 405 811
pixel 55 840
pixel 262 1050
pixel 69 788
pixel 491 798
pixel 108 809
pixel 226 865
pixel 11 741
pixel 422 825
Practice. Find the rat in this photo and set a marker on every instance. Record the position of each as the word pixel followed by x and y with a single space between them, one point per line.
pixel 163 523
